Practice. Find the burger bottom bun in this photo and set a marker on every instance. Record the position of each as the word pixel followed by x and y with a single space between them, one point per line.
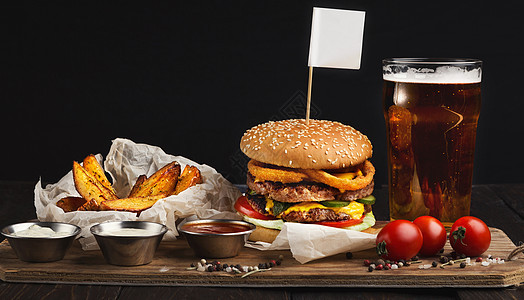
pixel 262 234
pixel 268 235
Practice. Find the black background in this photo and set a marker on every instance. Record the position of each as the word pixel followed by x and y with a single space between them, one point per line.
pixel 191 77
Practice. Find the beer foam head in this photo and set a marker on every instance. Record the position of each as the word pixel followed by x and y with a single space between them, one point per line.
pixel 428 73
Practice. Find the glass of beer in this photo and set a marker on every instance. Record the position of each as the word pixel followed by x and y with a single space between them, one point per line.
pixel 431 108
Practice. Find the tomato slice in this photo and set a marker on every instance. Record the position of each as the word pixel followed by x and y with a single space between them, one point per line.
pixel 243 207
pixel 341 224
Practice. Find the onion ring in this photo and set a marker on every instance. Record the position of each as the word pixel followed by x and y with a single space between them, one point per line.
pixel 357 183
pixel 264 172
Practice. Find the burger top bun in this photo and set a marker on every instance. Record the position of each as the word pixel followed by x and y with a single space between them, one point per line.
pixel 319 145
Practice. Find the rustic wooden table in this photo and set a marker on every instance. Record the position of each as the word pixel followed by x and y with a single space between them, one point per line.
pixel 500 206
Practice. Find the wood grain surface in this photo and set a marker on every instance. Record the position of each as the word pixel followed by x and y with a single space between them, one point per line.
pixel 172 258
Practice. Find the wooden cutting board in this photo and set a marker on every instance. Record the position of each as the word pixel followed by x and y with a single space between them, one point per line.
pixel 172 259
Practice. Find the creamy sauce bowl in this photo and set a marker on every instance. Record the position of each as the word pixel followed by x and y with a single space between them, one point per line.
pixel 216 238
pixel 40 241
pixel 128 243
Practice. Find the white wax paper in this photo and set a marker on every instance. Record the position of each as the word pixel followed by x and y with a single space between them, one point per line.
pixel 126 160
pixel 309 242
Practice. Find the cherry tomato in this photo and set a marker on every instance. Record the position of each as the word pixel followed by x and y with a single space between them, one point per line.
pixel 243 207
pixel 433 233
pixel 399 239
pixel 342 224
pixel 469 236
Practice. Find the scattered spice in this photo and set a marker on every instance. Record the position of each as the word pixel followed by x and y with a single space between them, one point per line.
pixel 203 266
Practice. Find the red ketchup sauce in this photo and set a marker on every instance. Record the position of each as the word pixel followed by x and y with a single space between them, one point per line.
pixel 215 228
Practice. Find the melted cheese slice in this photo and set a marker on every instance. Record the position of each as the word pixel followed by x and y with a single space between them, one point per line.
pixel 353 209
pixel 347 175
pixel 269 205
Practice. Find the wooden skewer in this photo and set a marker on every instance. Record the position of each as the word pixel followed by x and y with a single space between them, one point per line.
pixel 309 84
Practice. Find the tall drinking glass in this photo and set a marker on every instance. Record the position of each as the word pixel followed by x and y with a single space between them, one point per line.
pixel 431 108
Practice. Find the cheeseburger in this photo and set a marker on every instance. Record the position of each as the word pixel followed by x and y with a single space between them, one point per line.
pixel 315 173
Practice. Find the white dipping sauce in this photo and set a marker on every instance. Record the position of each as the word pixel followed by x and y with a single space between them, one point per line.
pixel 35 231
pixel 130 232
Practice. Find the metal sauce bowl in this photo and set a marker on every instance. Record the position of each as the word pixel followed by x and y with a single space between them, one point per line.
pixel 217 245
pixel 41 249
pixel 128 250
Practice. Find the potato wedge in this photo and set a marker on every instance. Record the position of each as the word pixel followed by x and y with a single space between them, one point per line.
pixel 137 185
pixel 69 204
pixel 90 188
pixel 135 204
pixel 91 205
pixel 162 181
pixel 190 176
pixel 93 167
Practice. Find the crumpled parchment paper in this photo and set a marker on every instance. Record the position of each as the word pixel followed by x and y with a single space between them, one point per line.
pixel 126 160
pixel 309 242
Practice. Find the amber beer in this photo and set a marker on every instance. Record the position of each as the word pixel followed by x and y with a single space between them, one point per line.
pixel 431 108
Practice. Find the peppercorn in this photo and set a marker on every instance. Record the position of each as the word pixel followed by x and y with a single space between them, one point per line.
pixel 366 262
pixel 371 268
pixel 479 259
pixel 261 266
pixel 415 258
pixel 379 267
pixel 386 267
pixel 380 262
pixel 462 265
pixel 434 264
pixel 281 257
pixel 349 255
pixel 271 264
pixel 444 259
pixel 210 269
pixel 278 262
pixel 192 265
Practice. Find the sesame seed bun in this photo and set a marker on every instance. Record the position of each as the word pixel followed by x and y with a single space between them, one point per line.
pixel 294 144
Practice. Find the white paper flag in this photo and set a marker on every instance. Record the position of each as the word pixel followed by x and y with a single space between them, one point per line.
pixel 336 38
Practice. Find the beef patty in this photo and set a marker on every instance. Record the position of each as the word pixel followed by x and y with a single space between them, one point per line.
pixel 305 191
pixel 258 203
